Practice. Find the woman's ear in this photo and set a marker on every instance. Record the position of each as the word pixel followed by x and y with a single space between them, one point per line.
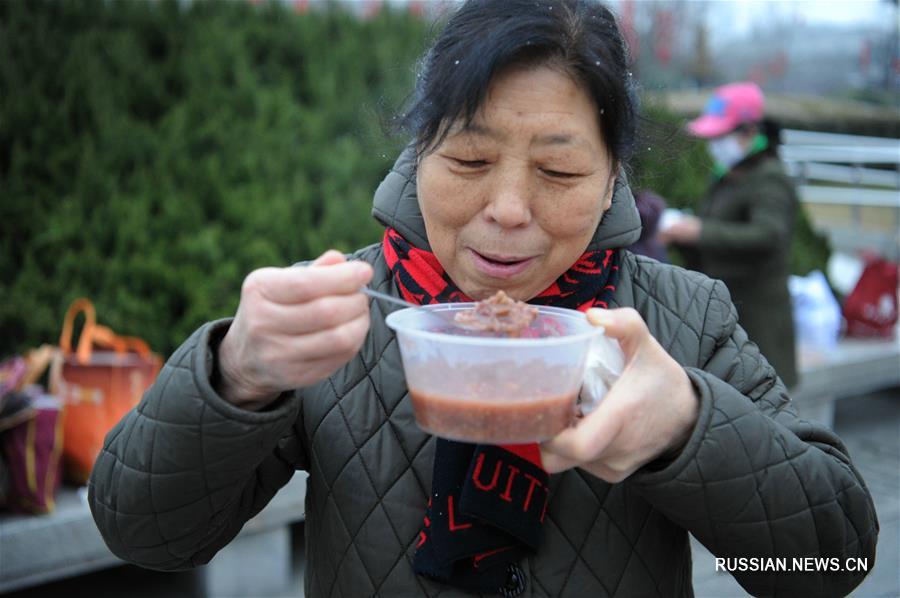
pixel 610 189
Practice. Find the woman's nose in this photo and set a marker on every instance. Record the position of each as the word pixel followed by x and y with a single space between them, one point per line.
pixel 509 204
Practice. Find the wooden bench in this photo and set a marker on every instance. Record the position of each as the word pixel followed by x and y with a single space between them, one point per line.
pixel 66 543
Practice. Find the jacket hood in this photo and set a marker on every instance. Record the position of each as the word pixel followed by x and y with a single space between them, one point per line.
pixel 397 206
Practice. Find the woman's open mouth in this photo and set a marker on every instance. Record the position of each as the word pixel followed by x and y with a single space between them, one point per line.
pixel 500 266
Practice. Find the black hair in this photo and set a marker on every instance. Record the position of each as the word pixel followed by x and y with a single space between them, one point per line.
pixel 770 129
pixel 483 37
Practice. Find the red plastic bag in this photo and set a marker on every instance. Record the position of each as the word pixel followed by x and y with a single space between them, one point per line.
pixel 871 307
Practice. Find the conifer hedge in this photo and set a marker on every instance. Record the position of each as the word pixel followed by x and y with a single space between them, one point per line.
pixel 154 153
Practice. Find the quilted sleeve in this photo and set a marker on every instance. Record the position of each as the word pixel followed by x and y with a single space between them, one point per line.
pixel 755 481
pixel 183 471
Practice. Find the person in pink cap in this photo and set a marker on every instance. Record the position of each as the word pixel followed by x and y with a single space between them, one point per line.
pixel 743 229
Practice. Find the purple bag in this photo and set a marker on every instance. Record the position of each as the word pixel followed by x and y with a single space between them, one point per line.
pixel 14 407
pixel 32 453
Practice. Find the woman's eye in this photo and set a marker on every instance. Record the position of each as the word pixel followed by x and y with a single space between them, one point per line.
pixel 559 175
pixel 470 163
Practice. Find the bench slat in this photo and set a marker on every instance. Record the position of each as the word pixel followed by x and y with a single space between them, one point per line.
pixel 65 543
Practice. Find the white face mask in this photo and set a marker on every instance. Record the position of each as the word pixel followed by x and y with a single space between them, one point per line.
pixel 726 151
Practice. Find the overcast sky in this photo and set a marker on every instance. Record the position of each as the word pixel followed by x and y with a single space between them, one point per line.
pixel 876 12
pixel 728 19
pixel 738 16
pixel 835 11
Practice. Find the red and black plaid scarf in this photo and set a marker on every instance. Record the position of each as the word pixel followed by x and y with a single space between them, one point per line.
pixel 487 503
pixel 422 280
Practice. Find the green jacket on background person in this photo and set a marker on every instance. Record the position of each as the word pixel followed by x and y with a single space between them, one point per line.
pixel 748 223
pixel 181 474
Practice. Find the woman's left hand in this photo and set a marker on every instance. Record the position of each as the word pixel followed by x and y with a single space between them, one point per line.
pixel 650 410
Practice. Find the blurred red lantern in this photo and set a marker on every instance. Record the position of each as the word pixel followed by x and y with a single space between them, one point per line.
pixel 417 8
pixel 778 65
pixel 865 55
pixel 371 8
pixel 664 30
pixel 628 31
pixel 757 74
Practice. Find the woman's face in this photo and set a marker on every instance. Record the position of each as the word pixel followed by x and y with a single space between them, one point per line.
pixel 512 201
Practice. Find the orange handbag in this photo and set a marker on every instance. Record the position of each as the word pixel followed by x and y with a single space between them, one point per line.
pixel 97 387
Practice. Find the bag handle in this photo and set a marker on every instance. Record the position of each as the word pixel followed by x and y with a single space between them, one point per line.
pixel 38 361
pixel 104 337
pixel 90 322
pixel 93 333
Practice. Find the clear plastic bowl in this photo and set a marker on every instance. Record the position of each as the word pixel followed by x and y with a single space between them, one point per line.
pixel 485 388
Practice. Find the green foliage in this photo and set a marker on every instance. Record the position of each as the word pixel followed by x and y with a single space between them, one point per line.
pixel 810 250
pixel 668 162
pixel 153 153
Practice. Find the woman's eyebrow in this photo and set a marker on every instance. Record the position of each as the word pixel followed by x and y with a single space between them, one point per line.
pixel 480 130
pixel 553 139
pixel 576 141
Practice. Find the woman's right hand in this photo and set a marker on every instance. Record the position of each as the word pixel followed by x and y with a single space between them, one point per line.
pixel 293 327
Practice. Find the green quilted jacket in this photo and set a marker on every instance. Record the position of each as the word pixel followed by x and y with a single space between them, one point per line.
pixel 183 471
pixel 748 223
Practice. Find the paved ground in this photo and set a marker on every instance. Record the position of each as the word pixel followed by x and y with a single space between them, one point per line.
pixel 869 425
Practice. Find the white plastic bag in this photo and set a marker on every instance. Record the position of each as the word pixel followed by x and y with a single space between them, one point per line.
pixel 605 363
pixel 817 314
pixel 844 271
pixel 669 217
